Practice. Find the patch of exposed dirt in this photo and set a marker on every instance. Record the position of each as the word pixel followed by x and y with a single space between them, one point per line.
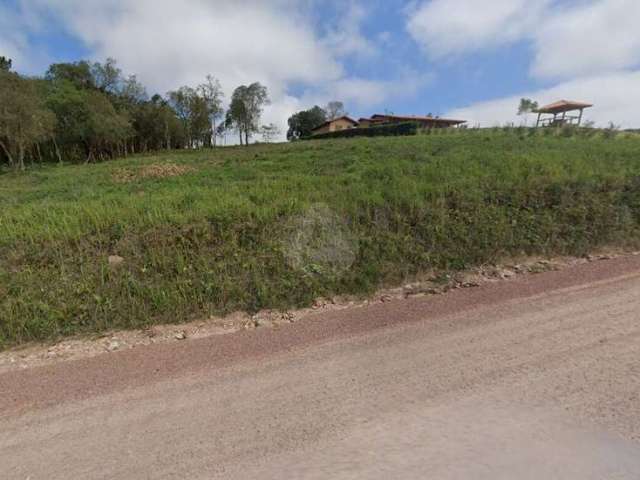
pixel 159 170
pixel 434 283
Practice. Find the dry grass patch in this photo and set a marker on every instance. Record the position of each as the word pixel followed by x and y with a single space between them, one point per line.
pixel 164 170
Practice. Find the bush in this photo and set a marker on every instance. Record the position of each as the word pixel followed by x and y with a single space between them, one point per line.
pixel 398 129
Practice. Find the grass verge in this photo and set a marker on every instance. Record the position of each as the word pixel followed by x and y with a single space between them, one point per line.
pixel 204 233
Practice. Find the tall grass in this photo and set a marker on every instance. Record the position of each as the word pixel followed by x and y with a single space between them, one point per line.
pixel 277 226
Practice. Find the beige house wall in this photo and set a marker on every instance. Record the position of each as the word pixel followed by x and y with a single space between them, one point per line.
pixel 334 126
pixel 319 131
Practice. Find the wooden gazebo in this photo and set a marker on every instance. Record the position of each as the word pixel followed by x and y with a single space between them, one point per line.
pixel 562 112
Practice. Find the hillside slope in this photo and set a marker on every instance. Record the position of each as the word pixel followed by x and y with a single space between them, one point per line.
pixel 170 237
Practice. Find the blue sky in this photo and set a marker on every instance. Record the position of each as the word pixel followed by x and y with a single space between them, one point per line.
pixel 462 58
pixel 488 74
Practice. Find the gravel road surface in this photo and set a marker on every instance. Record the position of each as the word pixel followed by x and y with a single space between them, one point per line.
pixel 533 378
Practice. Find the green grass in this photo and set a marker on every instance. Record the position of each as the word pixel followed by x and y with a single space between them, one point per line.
pixel 278 226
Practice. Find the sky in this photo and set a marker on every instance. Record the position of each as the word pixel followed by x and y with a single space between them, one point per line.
pixel 465 59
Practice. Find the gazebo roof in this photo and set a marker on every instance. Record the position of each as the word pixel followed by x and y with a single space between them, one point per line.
pixel 563 106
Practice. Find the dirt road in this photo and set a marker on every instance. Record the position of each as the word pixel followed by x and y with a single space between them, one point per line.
pixel 533 378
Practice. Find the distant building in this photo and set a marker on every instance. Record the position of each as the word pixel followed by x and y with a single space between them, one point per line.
pixel 342 123
pixel 424 122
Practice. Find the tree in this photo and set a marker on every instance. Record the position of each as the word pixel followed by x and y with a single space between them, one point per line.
pixel 171 127
pixel 247 103
pixel 132 91
pixel 180 101
pixel 106 129
pixel 128 96
pixel 225 128
pixel 69 104
pixel 91 111
pixel 302 123
pixel 88 124
pixel 24 118
pixel 335 110
pixel 5 64
pixel 199 121
pixel 156 125
pixel 107 76
pixel 193 110
pixel 211 93
pixel 230 124
pixel 526 107
pixel 78 73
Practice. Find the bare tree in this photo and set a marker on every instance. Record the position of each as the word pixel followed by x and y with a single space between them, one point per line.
pixel 180 101
pixel 335 110
pixel 212 94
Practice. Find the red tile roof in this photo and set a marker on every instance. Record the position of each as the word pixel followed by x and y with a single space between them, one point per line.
pixel 416 118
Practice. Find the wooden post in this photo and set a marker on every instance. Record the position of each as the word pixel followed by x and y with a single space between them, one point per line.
pixel 580 118
pixel 538 121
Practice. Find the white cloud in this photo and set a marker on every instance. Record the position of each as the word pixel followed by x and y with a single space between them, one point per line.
pixel 615 97
pixel 589 38
pixel 346 38
pixel 358 91
pixel 10 49
pixel 583 37
pixel 451 27
pixel 364 93
pixel 13 42
pixel 170 43
pixel 278 112
pixel 592 47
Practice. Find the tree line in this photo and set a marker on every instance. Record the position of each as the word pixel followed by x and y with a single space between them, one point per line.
pixel 85 111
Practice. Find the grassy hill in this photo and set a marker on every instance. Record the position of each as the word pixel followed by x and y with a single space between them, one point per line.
pixel 276 226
